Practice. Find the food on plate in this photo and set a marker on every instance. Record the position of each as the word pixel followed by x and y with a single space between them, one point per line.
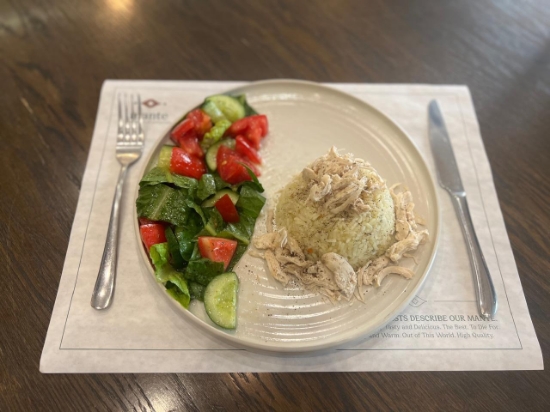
pixel 198 206
pixel 338 204
pixel 337 228
pixel 220 300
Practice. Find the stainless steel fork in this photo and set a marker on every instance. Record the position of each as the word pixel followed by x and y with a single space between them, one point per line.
pixel 129 146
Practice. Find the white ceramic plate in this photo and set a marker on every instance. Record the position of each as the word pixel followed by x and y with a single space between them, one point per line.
pixel 305 120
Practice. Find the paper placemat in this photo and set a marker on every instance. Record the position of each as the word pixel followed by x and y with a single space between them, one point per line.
pixel 440 330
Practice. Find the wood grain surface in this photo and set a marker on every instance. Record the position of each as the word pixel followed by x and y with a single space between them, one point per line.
pixel 54 56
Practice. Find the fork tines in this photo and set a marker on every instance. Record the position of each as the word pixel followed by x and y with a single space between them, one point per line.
pixel 130 121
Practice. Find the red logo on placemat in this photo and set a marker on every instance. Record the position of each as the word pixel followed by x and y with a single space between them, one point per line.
pixel 150 103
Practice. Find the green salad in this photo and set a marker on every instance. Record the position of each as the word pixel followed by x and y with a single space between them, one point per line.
pixel 198 206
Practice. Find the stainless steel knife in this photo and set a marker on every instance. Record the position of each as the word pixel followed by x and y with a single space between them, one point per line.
pixel 449 179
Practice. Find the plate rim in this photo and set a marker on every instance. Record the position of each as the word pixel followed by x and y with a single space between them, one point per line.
pixel 269 347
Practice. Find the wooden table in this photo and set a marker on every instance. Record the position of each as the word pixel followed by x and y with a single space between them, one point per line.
pixel 54 57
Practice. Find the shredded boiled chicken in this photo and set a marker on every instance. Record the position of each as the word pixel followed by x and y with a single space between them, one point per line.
pixel 335 183
pixel 407 237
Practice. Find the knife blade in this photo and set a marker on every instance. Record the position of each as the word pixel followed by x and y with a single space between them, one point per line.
pixel 445 161
pixel 449 178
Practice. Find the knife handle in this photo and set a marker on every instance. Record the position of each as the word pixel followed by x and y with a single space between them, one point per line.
pixel 485 290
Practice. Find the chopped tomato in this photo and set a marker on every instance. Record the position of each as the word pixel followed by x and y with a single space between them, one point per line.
pixel 227 209
pixel 254 136
pixel 190 144
pixel 242 125
pixel 253 128
pixel 217 249
pixel 183 128
pixel 186 165
pixel 151 234
pixel 261 121
pixel 243 147
pixel 201 122
pixel 231 166
pixel 195 125
pixel 238 127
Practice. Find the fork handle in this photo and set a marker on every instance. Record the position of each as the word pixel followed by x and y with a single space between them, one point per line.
pixel 105 282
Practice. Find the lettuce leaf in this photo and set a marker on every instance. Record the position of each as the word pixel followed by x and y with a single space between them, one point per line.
pixel 248 110
pixel 177 287
pixel 186 236
pixel 255 183
pixel 206 186
pixel 202 271
pixel 196 254
pixel 174 248
pixel 197 291
pixel 161 202
pixel 239 252
pixel 175 284
pixel 250 202
pixel 198 210
pixel 158 175
pixel 241 231
pixel 215 221
pixel 220 183
pixel 160 256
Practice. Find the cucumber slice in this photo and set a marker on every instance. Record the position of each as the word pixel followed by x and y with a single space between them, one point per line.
pixel 213 111
pixel 215 134
pixel 231 108
pixel 164 157
pixel 212 200
pixel 220 300
pixel 213 151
